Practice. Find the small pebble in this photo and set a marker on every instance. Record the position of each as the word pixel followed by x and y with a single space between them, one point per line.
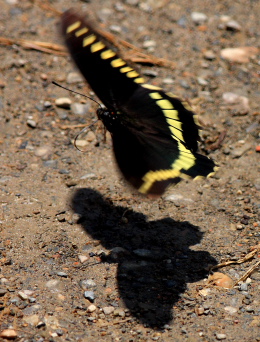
pixel 62 274
pixel 150 73
pixel 83 258
pixel 40 107
pixel 89 295
pixel 47 104
pixel 32 299
pixel 119 312
pixel 41 324
pixel 2 292
pixel 205 292
pixel 88 175
pixel 119 7
pixel 228 23
pixel 64 172
pixel 104 14
pixel 44 77
pixel 88 283
pixel 25 294
pixel 90 136
pixel 253 127
pixel 239 227
pixel 31 123
pixel 198 18
pixel 145 7
pixel 239 151
pixel 230 309
pixel 8 334
pixel 132 2
pixel 51 164
pixel 80 142
pixel 182 21
pixel 59 332
pixel 79 108
pixel 148 44
pixel 199 311
pixel 233 98
pixel 240 103
pixel 177 198
pixel 74 77
pixel 11 2
pixel 201 81
pixel 240 54
pixel 62 114
pixel 184 84
pixel 63 102
pixel 243 287
pixel 168 81
pixel 209 55
pixel 91 308
pixel 108 310
pixel 42 151
pixel 220 336
pixel 233 25
pixel 115 28
pixel 33 319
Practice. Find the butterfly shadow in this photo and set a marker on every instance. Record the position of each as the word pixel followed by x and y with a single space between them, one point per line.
pixel 154 258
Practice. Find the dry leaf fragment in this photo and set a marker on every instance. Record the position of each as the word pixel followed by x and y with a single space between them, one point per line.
pixel 221 280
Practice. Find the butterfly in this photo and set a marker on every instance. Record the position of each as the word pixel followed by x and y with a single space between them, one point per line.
pixel 155 134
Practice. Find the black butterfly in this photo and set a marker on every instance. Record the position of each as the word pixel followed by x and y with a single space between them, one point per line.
pixel 154 133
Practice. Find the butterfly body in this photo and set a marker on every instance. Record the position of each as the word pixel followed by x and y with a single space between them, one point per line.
pixel 155 135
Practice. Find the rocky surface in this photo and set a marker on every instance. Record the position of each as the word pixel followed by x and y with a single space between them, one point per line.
pixel 84 257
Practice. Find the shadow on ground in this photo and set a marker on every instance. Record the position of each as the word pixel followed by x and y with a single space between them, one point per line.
pixel 154 259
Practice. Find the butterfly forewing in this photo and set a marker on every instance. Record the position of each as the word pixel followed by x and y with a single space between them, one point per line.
pixel 154 134
pixel 108 75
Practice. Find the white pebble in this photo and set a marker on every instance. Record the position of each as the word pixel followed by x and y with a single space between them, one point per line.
pixel 108 310
pixel 63 102
pixel 32 319
pixel 91 308
pixel 149 43
pixel 52 284
pixel 80 142
pixel 42 151
pixel 230 309
pixel 83 258
pixel 74 77
pixel 198 18
pixel 221 336
pixel 240 54
pixel 79 108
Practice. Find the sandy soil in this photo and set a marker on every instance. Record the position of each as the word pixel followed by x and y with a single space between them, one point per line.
pixel 83 256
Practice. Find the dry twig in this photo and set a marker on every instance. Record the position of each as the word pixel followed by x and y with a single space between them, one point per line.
pixel 239 261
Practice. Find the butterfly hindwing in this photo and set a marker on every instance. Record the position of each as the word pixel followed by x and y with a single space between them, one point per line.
pixel 154 133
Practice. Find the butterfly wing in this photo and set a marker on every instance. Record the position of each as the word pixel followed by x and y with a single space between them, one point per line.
pixel 154 134
pixel 108 75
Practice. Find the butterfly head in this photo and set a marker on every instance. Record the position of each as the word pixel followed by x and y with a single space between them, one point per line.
pixel 109 118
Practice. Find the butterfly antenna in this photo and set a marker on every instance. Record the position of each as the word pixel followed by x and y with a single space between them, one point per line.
pixel 82 131
pixel 87 127
pixel 75 92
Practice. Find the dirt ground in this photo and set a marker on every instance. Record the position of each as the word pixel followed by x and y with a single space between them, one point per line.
pixel 83 257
